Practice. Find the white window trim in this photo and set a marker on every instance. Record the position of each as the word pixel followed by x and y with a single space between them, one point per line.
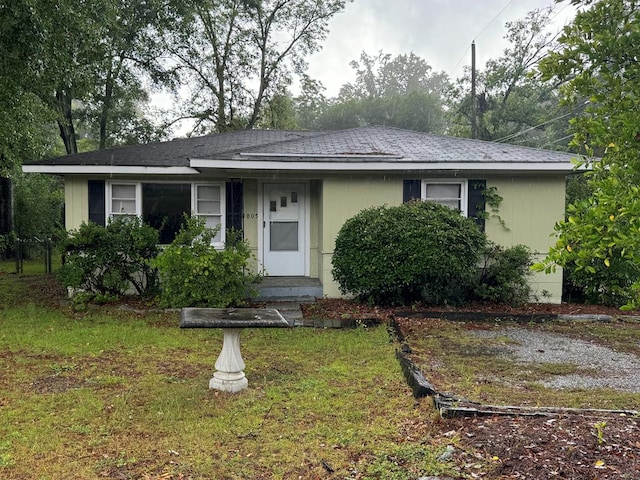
pixel 223 207
pixel 138 200
pixel 464 191
pixel 109 196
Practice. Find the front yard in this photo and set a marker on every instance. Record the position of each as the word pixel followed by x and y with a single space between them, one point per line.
pixel 119 393
pixel 114 394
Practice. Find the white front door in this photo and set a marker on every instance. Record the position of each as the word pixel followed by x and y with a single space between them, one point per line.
pixel 284 238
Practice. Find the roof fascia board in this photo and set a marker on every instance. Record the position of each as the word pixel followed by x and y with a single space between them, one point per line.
pixel 107 169
pixel 382 166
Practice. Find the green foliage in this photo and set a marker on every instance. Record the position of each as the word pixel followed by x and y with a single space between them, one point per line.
pixel 109 260
pixel 418 251
pixel 7 242
pixel 195 274
pixel 504 275
pixel 401 92
pixel 599 241
pixel 46 78
pixel 278 112
pixel 235 55
pixel 595 282
pixel 511 103
pixel 577 189
pixel 39 201
pixel 310 103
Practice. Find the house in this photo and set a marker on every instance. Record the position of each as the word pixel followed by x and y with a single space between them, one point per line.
pixel 291 191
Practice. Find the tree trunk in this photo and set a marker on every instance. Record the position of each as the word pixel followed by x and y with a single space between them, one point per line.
pixel 65 121
pixel 106 108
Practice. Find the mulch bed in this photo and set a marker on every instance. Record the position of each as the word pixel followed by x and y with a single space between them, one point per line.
pixel 565 447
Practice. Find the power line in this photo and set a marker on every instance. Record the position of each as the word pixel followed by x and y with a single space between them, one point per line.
pixel 464 55
pixel 548 144
pixel 522 132
pixel 493 19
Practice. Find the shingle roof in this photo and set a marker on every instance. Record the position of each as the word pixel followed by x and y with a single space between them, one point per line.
pixel 376 142
pixel 364 144
pixel 176 153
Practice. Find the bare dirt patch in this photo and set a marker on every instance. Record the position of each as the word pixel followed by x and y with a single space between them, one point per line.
pixel 57 384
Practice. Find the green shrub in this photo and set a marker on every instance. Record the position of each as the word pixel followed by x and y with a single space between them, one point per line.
pixel 596 283
pixel 110 260
pixel 194 274
pixel 7 243
pixel 418 251
pixel 504 276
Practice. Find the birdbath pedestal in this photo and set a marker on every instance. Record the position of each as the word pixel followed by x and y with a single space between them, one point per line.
pixel 229 375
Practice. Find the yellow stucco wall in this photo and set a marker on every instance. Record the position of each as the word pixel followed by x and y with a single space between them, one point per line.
pixel 530 208
pixel 76 199
pixel 342 198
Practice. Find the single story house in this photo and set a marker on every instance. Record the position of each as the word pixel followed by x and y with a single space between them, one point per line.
pixel 291 191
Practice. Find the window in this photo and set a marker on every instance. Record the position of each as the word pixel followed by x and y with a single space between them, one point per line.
pixel 450 193
pixel 208 204
pixel 163 205
pixel 124 199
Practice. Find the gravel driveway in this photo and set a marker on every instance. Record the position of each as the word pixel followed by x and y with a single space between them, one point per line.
pixel 603 367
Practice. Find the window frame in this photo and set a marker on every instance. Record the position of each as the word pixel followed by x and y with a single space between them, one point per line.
pixel 218 242
pixel 109 199
pixel 464 191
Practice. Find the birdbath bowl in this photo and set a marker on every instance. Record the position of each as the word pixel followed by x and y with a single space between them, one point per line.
pixel 229 375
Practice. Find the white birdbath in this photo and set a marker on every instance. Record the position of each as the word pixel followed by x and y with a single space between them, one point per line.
pixel 229 375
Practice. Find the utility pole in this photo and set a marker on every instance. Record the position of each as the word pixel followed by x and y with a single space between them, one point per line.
pixel 474 118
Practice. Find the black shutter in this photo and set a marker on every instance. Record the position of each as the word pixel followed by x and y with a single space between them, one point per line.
pixel 411 190
pixel 476 203
pixel 97 211
pixel 234 205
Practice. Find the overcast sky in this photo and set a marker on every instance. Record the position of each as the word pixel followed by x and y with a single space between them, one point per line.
pixel 439 31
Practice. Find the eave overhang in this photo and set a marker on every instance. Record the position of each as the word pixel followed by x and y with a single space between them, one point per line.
pixel 377 166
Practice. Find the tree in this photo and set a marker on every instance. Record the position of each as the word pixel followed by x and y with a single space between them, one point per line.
pixel 25 121
pixel 599 61
pixel 38 215
pixel 235 53
pixel 400 91
pixel 512 103
pixel 60 57
pixel 311 102
pixel 279 112
pixel 128 51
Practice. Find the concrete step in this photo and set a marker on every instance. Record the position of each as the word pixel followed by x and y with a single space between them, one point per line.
pixel 289 289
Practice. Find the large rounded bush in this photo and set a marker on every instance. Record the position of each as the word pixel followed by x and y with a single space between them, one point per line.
pixel 418 251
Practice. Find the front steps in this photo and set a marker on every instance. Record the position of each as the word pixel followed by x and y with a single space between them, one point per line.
pixel 289 289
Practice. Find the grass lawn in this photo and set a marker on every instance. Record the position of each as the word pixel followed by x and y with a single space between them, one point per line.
pixel 114 394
